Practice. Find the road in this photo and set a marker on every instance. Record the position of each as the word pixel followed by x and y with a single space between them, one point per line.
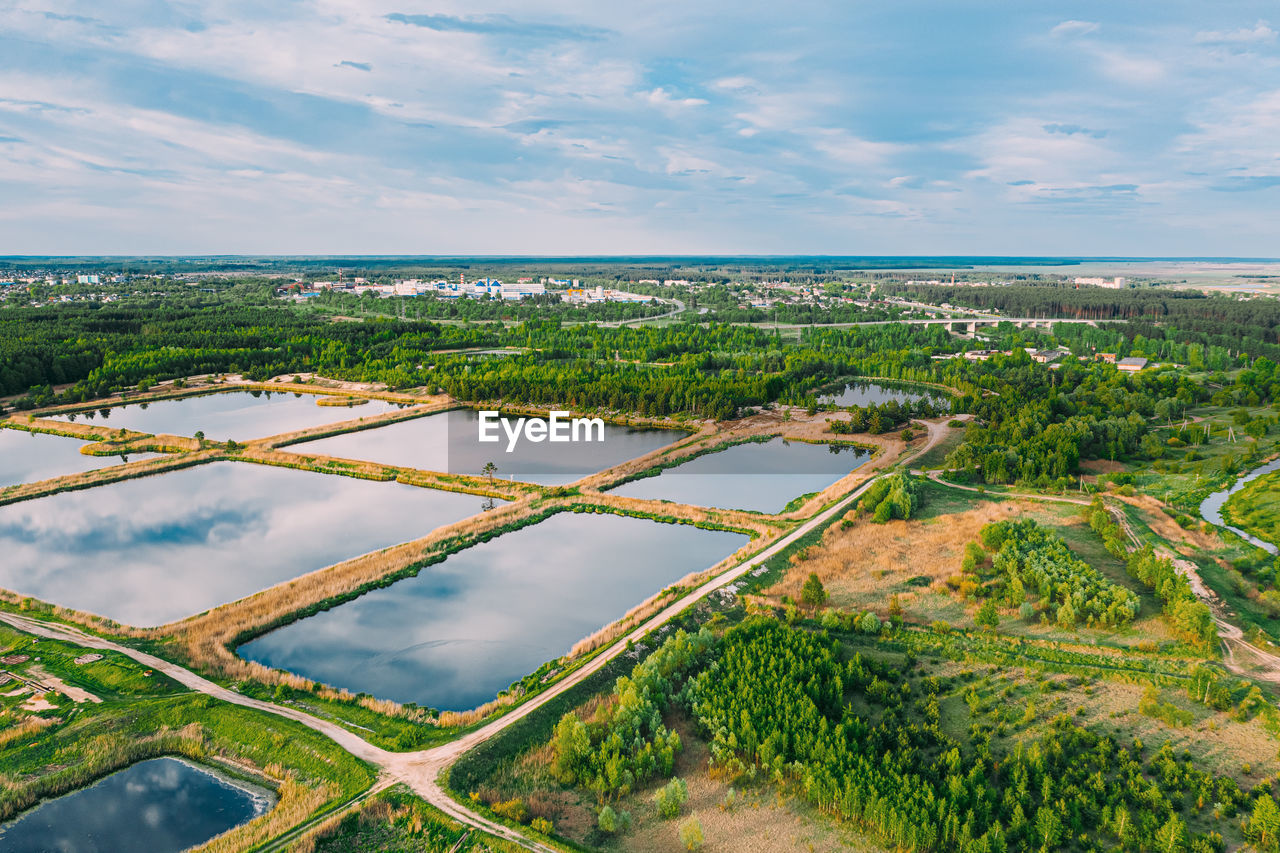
pixel 1257 662
pixel 420 770
pixel 680 307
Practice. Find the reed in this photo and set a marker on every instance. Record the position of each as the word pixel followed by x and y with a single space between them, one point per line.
pixel 102 755
pixel 297 802
pixel 110 474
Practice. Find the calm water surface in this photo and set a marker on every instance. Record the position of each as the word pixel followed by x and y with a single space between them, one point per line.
pixel 755 476
pixel 873 393
pixel 156 549
pixel 28 457
pixel 449 442
pixel 160 806
pixel 238 415
pixel 466 628
pixel 1211 507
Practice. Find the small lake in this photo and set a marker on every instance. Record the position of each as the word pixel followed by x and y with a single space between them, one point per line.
pixel 462 630
pixel 237 415
pixel 155 549
pixel 161 806
pixel 449 442
pixel 28 457
pixel 1211 507
pixel 760 476
pixel 875 394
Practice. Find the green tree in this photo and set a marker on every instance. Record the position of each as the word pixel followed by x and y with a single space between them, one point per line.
pixel 814 594
pixel 671 798
pixel 1264 824
pixel 489 470
pixel 607 820
pixel 987 616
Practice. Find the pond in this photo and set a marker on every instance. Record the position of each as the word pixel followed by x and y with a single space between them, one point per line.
pixel 1211 507
pixel 238 415
pixel 760 476
pixel 462 630
pixel 151 550
pixel 449 442
pixel 162 806
pixel 860 393
pixel 28 457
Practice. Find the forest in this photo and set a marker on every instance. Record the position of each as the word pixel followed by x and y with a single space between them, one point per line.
pixel 790 707
pixel 1185 316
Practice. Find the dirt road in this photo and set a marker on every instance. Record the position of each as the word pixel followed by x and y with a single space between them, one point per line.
pixel 420 770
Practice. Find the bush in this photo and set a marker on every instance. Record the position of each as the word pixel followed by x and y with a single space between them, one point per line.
pixel 691 834
pixel 541 824
pixel 512 810
pixel 671 798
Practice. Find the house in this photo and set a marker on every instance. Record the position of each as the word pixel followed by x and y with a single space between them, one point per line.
pixel 1132 364
pixel 1108 357
pixel 1048 356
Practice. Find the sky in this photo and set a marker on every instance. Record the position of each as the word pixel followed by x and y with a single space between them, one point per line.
pixel 548 127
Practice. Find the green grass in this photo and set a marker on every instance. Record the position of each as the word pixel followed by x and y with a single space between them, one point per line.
pixel 143 714
pixel 1256 508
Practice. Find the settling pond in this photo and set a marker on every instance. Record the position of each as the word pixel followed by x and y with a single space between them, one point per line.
pixel 1211 507
pixel 28 457
pixel 155 549
pixel 461 630
pixel 449 442
pixel 758 476
pixel 161 806
pixel 238 415
pixel 860 393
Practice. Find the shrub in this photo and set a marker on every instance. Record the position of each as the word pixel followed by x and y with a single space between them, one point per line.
pixel 512 810
pixel 671 798
pixel 691 834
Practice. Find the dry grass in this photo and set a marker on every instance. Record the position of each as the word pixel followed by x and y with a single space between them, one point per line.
pixel 859 564
pixel 1168 529
pixel 297 802
pixel 110 474
pixel 25 729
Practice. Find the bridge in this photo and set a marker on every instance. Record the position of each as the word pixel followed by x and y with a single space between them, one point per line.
pixel 964 326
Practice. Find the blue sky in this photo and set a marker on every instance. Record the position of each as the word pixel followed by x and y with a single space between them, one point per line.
pixel 547 127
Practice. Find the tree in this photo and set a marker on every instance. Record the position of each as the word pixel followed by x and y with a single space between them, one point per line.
pixel 489 470
pixel 691 834
pixel 607 820
pixel 814 594
pixel 1172 837
pixel 987 616
pixel 671 798
pixel 1264 824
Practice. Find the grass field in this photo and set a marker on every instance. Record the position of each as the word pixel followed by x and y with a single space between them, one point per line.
pixel 1256 508
pixel 108 713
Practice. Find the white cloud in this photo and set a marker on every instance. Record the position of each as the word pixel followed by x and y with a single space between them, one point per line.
pixel 1073 28
pixel 664 100
pixel 1259 33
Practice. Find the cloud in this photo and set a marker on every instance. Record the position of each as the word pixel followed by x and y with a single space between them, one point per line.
pixel 359 66
pixel 1259 33
pixel 1072 129
pixel 502 25
pixel 1073 28
pixel 1249 183
pixel 1128 67
pixel 663 99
